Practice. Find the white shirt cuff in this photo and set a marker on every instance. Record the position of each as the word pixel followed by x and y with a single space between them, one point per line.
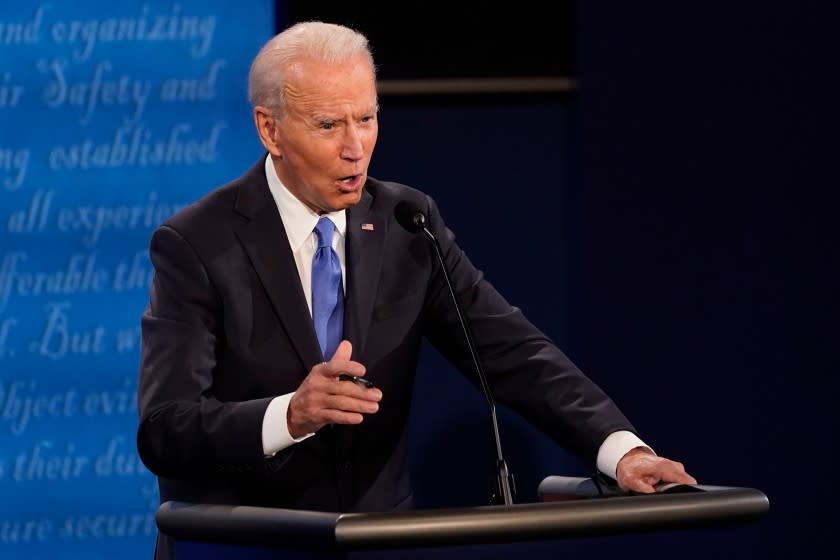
pixel 275 429
pixel 614 448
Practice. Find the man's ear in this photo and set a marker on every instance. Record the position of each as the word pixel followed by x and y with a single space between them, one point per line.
pixel 266 124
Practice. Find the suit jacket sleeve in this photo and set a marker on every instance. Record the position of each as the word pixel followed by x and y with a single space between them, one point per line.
pixel 184 430
pixel 525 369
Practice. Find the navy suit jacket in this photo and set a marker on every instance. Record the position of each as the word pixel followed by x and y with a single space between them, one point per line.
pixel 228 328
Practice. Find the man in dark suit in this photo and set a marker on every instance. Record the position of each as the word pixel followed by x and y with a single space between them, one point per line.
pixel 269 288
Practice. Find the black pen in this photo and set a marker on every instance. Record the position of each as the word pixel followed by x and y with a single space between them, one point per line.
pixel 356 380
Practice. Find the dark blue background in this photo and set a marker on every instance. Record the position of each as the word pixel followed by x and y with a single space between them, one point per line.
pixel 671 226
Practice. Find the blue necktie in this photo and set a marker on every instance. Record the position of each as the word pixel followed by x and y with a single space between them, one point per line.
pixel 327 291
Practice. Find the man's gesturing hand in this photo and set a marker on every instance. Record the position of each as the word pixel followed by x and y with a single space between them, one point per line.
pixel 322 399
pixel 640 469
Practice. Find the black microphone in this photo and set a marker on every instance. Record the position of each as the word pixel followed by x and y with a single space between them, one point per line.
pixel 412 218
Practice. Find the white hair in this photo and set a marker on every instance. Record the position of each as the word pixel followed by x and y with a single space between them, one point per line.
pixel 326 42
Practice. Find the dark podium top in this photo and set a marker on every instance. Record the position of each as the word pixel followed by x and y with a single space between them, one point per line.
pixel 569 511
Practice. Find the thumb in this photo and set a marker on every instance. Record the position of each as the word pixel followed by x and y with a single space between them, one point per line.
pixel 344 351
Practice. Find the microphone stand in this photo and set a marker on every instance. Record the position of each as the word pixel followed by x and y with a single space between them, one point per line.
pixel 505 485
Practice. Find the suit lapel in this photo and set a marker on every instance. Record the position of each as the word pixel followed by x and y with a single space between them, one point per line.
pixel 363 260
pixel 261 232
pixel 363 253
pixel 263 236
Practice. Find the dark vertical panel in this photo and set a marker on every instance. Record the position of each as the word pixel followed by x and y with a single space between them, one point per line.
pixel 709 285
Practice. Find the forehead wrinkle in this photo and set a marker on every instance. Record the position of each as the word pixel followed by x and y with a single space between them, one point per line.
pixel 322 103
pixel 327 94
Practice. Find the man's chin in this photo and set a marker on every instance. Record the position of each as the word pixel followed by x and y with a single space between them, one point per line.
pixel 346 200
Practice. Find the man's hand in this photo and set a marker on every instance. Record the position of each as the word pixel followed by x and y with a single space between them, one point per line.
pixel 322 399
pixel 640 469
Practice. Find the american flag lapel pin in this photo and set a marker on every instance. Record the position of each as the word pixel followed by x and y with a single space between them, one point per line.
pixel 367 227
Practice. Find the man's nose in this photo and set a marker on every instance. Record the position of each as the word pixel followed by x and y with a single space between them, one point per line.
pixel 353 148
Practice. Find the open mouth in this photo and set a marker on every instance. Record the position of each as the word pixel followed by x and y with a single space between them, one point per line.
pixel 350 182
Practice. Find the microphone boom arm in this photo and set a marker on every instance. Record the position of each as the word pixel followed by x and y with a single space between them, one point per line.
pixel 505 485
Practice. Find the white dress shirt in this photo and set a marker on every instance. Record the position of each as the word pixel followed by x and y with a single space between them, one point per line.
pixel 299 221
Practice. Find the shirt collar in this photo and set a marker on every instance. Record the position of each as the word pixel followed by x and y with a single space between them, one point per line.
pixel 298 219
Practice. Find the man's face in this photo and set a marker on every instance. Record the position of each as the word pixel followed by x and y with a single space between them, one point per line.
pixel 325 138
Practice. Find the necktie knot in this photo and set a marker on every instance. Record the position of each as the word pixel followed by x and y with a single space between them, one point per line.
pixel 324 231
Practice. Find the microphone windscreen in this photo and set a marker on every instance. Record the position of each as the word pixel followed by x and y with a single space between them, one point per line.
pixel 409 216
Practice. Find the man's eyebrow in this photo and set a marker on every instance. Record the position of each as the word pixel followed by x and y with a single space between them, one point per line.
pixel 324 117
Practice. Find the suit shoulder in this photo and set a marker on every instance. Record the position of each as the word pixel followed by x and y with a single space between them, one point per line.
pixel 213 209
pixel 205 209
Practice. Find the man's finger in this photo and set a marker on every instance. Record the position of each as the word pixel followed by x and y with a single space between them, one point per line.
pixel 351 404
pixel 341 362
pixel 642 487
pixel 343 352
pixel 350 389
pixel 682 477
pixel 339 417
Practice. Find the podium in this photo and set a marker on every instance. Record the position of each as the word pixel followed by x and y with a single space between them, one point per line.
pixel 571 508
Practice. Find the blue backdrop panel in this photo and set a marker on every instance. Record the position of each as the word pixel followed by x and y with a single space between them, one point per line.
pixel 112 116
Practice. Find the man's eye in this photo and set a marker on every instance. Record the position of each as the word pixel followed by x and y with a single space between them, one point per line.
pixel 327 125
